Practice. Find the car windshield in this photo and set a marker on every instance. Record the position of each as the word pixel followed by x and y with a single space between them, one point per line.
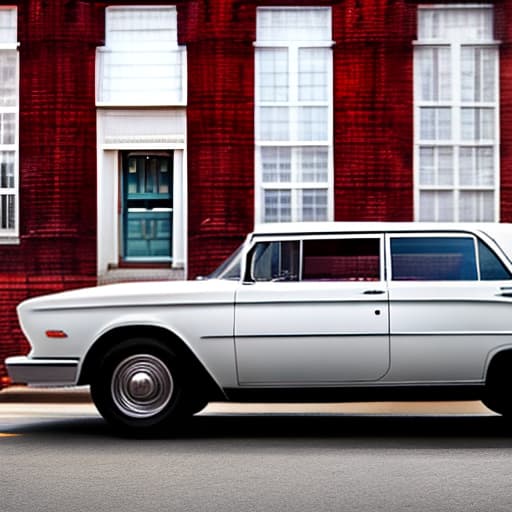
pixel 231 268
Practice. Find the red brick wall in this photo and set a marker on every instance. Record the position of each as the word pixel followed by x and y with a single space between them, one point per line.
pixel 220 128
pixel 503 33
pixel 57 247
pixel 373 114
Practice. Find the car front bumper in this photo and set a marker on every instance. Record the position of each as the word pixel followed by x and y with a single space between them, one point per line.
pixel 42 372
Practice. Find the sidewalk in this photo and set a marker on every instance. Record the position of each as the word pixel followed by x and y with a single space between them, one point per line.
pixel 24 394
pixel 81 395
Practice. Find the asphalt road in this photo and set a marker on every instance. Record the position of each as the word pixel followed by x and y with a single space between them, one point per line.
pixel 63 457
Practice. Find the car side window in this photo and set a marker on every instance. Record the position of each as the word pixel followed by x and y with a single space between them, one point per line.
pixel 275 261
pixel 345 259
pixel 433 259
pixel 491 268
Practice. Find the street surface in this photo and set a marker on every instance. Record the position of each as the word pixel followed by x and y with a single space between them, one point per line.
pixel 356 457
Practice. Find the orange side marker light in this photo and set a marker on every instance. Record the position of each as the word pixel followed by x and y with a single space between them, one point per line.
pixel 56 334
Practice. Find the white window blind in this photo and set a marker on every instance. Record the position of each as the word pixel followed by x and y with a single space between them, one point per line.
pixel 294 24
pixel 141 63
pixel 293 114
pixel 455 23
pixel 9 87
pixel 456 114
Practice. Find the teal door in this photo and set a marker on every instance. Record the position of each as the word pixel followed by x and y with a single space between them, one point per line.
pixel 147 206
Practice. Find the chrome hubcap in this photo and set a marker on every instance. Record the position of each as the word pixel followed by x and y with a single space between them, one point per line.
pixel 142 386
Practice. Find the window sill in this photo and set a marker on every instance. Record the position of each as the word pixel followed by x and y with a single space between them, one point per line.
pixel 9 240
pixel 120 275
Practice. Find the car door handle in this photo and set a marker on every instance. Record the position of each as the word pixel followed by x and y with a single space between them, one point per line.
pixel 374 292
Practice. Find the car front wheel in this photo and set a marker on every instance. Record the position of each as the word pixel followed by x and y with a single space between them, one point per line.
pixel 138 386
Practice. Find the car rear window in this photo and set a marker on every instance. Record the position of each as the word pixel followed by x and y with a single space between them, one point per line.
pixel 433 259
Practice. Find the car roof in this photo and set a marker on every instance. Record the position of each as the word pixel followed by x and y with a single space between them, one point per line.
pixel 305 228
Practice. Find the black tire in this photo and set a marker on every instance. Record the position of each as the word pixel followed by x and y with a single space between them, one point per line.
pixel 497 389
pixel 138 386
pixel 497 406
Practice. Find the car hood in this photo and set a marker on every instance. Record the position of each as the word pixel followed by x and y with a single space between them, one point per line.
pixel 151 293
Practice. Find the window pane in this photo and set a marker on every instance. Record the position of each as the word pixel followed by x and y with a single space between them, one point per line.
pixel 476 166
pixel 313 123
pixel 433 259
pixel 8 25
pixel 477 123
pixel 314 164
pixel 435 123
pixel 7 128
pixel 7 211
pixel 6 169
pixel 276 164
pixel 275 261
pixel 436 166
pixel 341 260
pixel 313 205
pixel 274 123
pixel 476 206
pixel 277 206
pixel 427 166
pixel 478 72
pixel 436 206
pixel 433 73
pixel 8 78
pixel 293 24
pixel 491 268
pixel 273 74
pixel 313 74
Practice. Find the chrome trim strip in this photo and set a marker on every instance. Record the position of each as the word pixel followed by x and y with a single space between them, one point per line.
pixel 48 372
pixel 453 333
pixel 312 335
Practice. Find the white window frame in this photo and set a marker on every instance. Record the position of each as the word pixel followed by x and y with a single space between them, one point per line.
pixel 293 103
pixel 149 101
pixel 456 105
pixel 11 236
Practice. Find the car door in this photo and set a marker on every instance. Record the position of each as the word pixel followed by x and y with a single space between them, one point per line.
pixel 313 311
pixel 449 307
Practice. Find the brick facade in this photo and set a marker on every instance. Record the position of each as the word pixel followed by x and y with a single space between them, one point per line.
pixel 373 138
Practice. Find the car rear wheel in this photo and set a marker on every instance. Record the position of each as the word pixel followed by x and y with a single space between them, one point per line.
pixel 497 396
pixel 497 406
pixel 138 385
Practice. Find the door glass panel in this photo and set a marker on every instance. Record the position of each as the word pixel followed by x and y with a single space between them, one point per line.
pixel 147 206
pixel 275 261
pixel 342 260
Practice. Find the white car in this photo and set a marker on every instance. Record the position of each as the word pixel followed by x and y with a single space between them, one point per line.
pixel 300 312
